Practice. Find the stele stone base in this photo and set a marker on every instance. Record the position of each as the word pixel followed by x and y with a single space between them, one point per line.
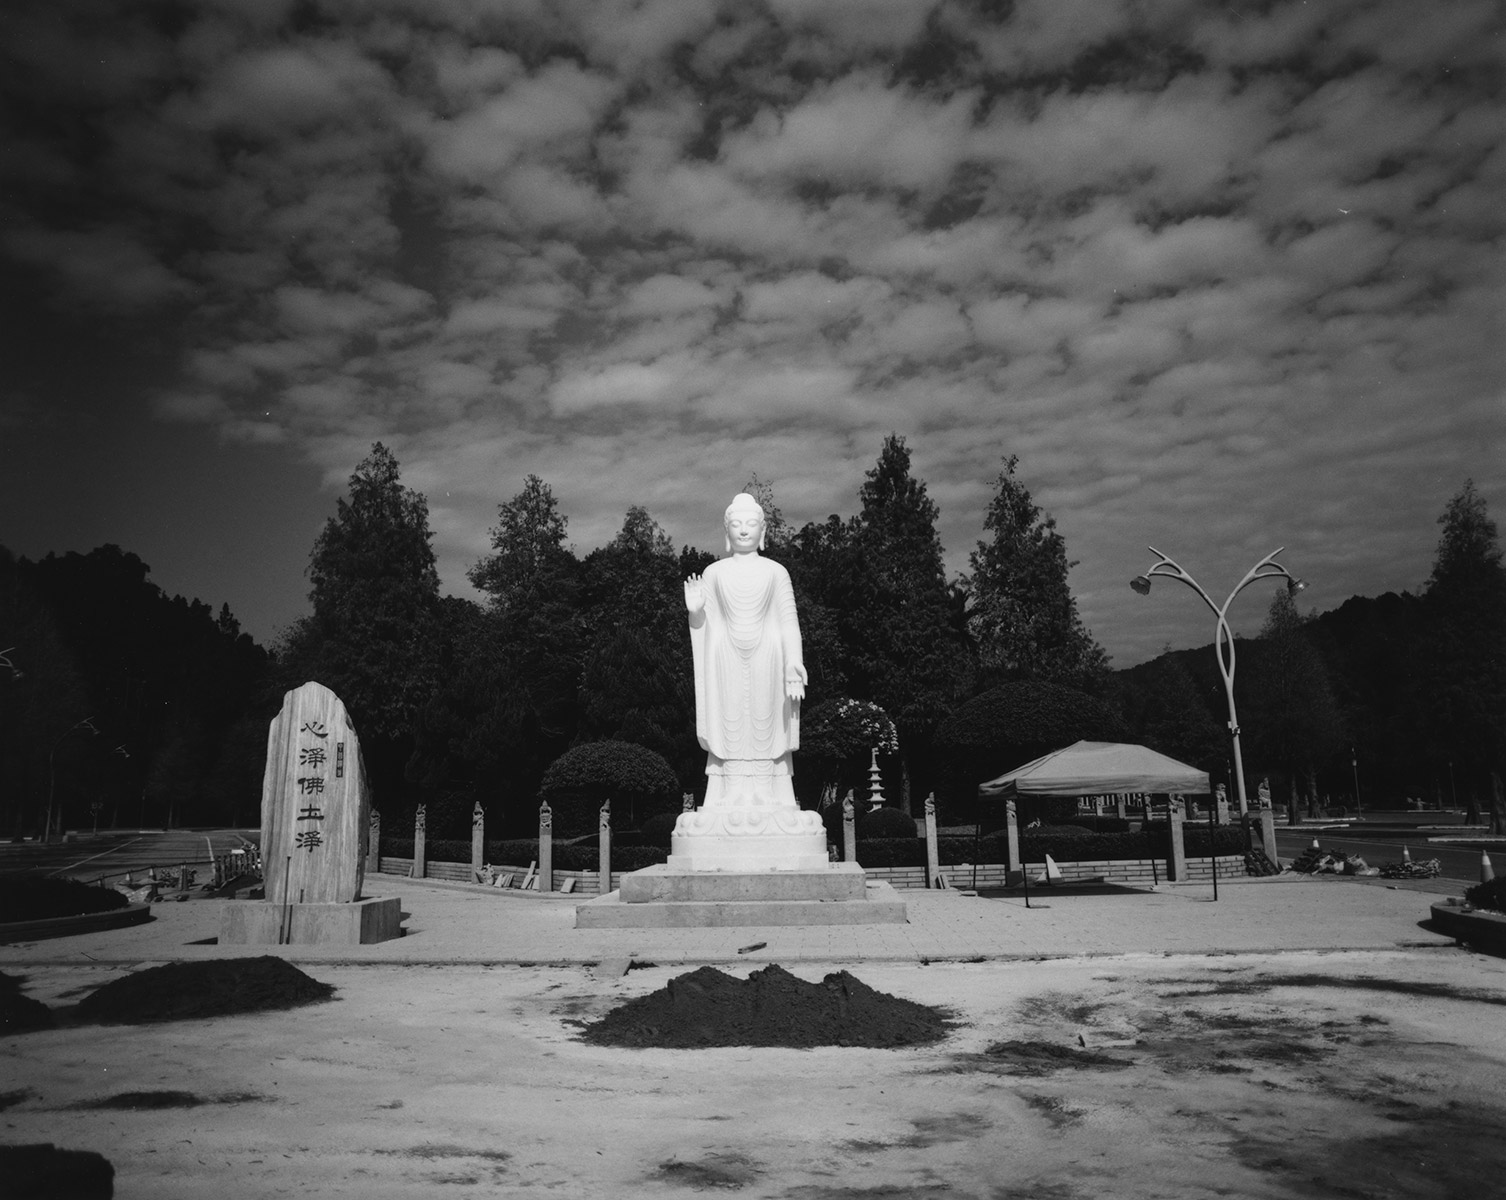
pixel 263 922
pixel 710 847
pixel 662 897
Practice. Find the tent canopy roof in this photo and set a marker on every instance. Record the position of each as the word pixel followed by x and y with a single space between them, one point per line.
pixel 1097 768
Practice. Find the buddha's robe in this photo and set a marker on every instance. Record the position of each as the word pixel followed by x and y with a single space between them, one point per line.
pixel 745 640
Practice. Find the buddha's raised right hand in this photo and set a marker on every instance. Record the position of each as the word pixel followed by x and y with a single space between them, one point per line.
pixel 695 594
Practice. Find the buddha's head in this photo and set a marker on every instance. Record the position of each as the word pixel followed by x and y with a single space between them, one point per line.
pixel 743 523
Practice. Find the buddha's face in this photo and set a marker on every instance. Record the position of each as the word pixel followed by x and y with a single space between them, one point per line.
pixel 744 529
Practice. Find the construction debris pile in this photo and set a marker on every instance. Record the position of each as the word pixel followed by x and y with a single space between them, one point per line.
pixel 1317 861
pixel 1407 869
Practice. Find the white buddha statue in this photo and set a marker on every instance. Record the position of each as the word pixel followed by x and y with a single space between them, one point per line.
pixel 749 681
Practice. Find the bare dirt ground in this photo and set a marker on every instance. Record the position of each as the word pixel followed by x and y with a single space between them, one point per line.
pixel 1298 1075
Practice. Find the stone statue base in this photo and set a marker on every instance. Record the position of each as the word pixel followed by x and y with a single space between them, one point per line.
pixel 663 897
pixel 750 822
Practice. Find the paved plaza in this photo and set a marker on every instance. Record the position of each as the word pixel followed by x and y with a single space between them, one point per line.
pixel 1299 1037
pixel 462 923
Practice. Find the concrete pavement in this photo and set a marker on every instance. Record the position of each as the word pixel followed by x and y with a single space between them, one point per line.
pixel 461 923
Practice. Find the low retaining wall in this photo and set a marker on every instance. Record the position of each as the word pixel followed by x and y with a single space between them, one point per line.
pixel 1125 870
pixel 51 927
pixel 1480 930
pixel 1121 870
pixel 586 882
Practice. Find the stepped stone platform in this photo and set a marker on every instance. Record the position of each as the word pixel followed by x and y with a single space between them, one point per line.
pixel 662 896
pixel 267 923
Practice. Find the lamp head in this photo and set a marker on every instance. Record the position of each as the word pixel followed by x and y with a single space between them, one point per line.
pixel 1296 585
pixel 1141 584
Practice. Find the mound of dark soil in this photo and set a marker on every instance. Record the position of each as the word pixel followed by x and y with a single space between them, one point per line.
pixel 188 990
pixel 43 1172
pixel 770 1008
pixel 21 1014
pixel 29 898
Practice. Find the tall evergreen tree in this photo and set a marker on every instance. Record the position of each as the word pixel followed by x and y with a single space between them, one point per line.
pixel 1021 610
pixel 637 683
pixel 905 651
pixel 1292 719
pixel 1464 664
pixel 528 548
pixel 373 636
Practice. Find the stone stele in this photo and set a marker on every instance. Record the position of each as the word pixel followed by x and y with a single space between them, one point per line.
pixel 315 818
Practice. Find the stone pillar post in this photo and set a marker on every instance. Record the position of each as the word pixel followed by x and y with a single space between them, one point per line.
pixel 605 834
pixel 478 838
pixel 374 843
pixel 546 847
pixel 420 823
pixel 1119 806
pixel 1267 819
pixel 1176 855
pixel 1012 840
pixel 933 852
pixel 849 830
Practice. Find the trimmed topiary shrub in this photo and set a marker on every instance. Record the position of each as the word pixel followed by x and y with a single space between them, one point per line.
pixel 639 783
pixel 658 830
pixel 884 822
pixel 892 852
pixel 1490 895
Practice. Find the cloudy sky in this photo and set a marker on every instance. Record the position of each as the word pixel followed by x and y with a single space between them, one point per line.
pixel 1224 277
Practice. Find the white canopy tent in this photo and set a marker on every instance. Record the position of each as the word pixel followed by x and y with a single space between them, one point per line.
pixel 1097 769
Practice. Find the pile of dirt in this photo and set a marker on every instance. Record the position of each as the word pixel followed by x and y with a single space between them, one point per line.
pixel 43 1172
pixel 770 1008
pixel 18 1013
pixel 189 990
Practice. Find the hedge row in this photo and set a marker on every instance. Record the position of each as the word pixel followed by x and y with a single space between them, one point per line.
pixel 1226 839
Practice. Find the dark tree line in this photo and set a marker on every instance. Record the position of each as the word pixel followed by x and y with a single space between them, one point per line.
pixel 122 706
pixel 1402 695
pixel 457 701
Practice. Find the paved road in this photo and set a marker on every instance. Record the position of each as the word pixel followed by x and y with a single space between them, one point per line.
pixel 1458 862
pixel 117 852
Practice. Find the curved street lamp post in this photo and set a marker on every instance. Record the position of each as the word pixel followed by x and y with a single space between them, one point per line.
pixel 1223 645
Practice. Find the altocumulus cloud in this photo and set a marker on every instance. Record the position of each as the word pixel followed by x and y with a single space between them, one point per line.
pixel 1221 278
